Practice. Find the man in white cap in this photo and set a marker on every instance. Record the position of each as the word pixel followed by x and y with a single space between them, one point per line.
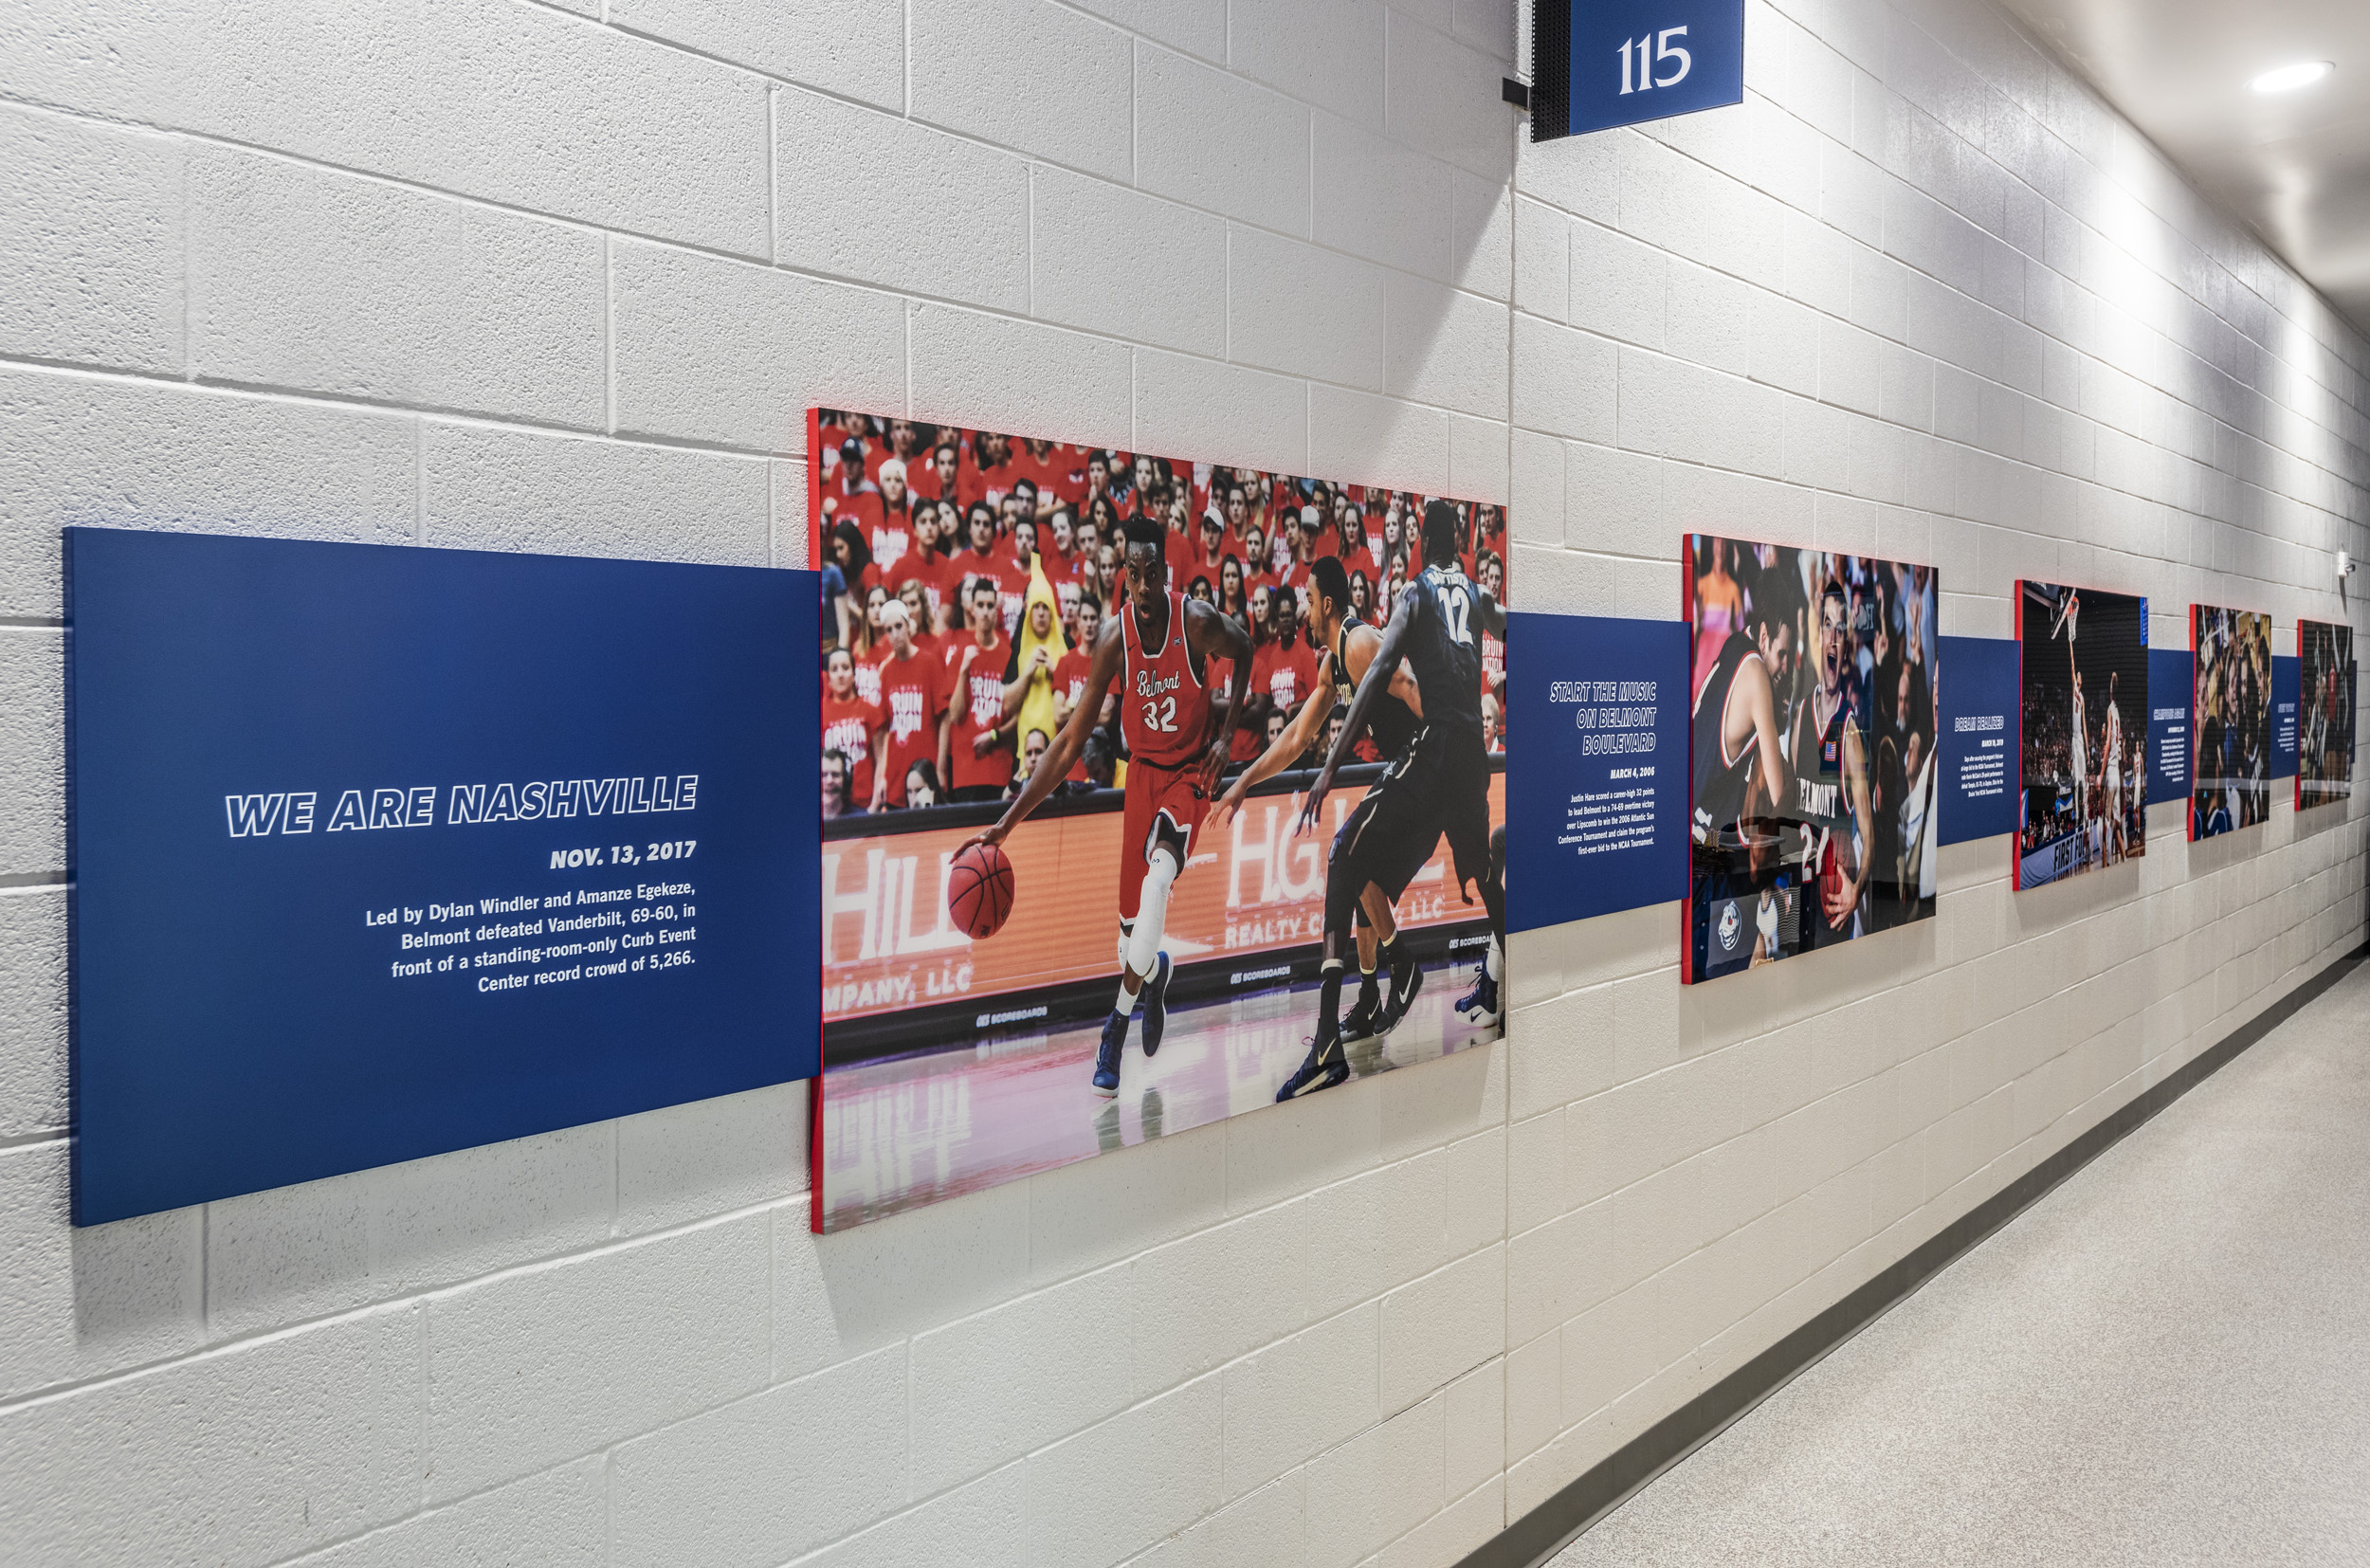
pixel 915 700
pixel 1300 532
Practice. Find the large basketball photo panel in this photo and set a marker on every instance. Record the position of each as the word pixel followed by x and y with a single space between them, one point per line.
pixel 2324 725
pixel 1813 680
pixel 1155 791
pixel 2083 717
pixel 2230 779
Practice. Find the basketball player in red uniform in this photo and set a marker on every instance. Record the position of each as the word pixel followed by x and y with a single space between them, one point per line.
pixel 1158 648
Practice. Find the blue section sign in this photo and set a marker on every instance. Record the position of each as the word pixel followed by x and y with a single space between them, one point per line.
pixel 1603 65
pixel 2287 676
pixel 1977 684
pixel 380 853
pixel 2172 686
pixel 1596 813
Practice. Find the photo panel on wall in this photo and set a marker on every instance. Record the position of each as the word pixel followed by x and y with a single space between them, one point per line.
pixel 2324 752
pixel 2083 714
pixel 1155 791
pixel 2231 779
pixel 1813 685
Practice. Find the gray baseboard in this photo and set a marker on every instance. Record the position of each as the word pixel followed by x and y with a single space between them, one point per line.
pixel 1556 1522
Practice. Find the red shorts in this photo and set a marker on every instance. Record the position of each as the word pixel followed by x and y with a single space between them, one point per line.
pixel 1154 793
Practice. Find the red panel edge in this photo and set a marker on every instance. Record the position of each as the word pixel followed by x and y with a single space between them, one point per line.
pixel 2016 834
pixel 814 490
pixel 1687 683
pixel 2189 804
pixel 814 1094
pixel 814 1122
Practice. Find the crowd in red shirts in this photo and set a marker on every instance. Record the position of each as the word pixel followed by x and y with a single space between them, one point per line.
pixel 929 533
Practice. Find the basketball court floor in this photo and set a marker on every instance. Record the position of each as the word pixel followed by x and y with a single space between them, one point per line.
pixel 904 1131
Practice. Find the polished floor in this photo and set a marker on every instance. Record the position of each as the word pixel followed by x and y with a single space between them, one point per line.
pixel 2165 1361
pixel 904 1131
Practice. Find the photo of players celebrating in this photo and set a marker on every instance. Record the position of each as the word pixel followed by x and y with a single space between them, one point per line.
pixel 2084 709
pixel 2325 722
pixel 1812 750
pixel 1155 791
pixel 2230 777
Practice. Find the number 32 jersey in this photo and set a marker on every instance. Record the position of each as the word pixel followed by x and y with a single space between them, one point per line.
pixel 1164 708
pixel 1444 648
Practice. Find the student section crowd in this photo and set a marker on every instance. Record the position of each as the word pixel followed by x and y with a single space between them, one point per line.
pixel 966 572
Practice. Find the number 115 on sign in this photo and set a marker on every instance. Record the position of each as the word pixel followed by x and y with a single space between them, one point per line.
pixel 1662 62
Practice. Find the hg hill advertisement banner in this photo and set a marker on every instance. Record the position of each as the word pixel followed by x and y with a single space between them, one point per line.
pixel 380 853
pixel 1155 791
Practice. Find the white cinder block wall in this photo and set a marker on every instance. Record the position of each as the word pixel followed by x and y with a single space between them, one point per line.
pixel 563 277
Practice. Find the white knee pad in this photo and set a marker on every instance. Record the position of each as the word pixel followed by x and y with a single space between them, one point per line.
pixel 1152 912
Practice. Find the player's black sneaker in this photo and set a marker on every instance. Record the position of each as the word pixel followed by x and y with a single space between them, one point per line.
pixel 1479 1006
pixel 1406 979
pixel 1156 1002
pixel 1107 1057
pixel 1325 1067
pixel 1360 1024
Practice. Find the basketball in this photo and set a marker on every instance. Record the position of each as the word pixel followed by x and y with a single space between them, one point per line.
pixel 979 890
pixel 1831 876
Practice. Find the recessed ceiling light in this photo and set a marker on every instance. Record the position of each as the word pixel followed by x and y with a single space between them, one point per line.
pixel 2288 78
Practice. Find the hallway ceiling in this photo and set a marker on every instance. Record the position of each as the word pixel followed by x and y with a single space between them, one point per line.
pixel 2296 165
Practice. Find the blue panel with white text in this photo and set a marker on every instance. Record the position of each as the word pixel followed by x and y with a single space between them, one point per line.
pixel 1596 814
pixel 2285 671
pixel 385 851
pixel 2171 683
pixel 1976 686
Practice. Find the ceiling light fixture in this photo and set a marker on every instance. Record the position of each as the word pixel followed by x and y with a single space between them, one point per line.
pixel 2288 78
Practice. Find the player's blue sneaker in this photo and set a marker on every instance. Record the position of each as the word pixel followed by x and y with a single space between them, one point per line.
pixel 1156 1002
pixel 1479 1006
pixel 1406 978
pixel 1365 1018
pixel 1107 1057
pixel 1325 1067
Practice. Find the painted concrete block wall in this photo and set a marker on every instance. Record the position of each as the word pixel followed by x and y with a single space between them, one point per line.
pixel 564 277
pixel 1921 294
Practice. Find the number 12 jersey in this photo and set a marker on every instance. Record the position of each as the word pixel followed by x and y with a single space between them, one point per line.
pixel 1444 648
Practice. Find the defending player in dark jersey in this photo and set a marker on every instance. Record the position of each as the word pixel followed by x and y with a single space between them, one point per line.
pixel 1350 647
pixel 1742 785
pixel 1159 648
pixel 1440 785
